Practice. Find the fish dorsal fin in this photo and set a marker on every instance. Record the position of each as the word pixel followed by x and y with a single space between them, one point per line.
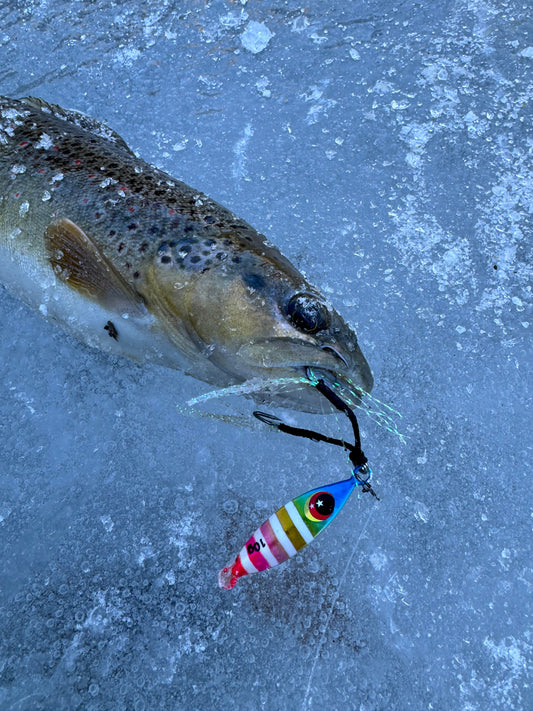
pixel 77 262
pixel 79 119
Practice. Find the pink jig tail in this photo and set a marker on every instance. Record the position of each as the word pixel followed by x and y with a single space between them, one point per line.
pixel 228 576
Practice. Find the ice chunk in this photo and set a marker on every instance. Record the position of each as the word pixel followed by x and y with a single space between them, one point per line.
pixel 256 36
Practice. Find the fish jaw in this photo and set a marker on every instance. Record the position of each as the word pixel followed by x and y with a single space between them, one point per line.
pixel 288 382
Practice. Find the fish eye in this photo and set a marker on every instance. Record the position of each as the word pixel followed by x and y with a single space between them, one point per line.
pixel 307 314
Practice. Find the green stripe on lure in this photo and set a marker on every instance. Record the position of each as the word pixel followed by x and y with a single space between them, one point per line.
pixel 291 528
pixel 297 523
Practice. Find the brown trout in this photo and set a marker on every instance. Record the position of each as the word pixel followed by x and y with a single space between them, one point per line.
pixel 132 261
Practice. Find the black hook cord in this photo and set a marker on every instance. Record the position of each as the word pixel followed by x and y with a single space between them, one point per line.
pixel 355 453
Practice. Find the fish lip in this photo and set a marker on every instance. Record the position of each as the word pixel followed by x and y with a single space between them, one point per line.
pixel 336 352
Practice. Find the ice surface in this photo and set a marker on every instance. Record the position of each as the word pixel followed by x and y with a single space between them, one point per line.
pixel 386 148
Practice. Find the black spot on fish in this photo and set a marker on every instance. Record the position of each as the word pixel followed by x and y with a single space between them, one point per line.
pixel 143 247
pixel 136 275
pixel 209 242
pixel 165 259
pixel 195 259
pixel 132 226
pixel 120 247
pixel 110 328
pixel 236 260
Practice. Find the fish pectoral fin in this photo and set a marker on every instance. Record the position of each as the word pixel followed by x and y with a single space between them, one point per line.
pixel 77 262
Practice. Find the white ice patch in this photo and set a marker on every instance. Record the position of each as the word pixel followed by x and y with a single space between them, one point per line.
pixel 232 19
pixel 503 227
pixel 509 670
pixel 108 181
pixel 424 245
pixel 44 142
pixel 378 559
pixel 256 36
pixel 23 209
pixel 416 136
pixel 107 523
pixel 262 87
pixel 13 115
pixel 299 24
pixel 18 169
pixel 320 105
pixel 239 150
pixel 127 55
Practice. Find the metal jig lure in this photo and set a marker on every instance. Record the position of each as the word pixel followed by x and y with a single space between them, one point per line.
pixel 297 523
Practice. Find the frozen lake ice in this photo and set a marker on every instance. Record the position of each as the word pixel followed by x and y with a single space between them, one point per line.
pixel 386 149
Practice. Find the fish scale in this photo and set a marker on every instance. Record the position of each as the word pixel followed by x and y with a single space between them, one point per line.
pixel 92 234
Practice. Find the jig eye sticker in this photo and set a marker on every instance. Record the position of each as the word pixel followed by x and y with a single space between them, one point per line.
pixel 319 506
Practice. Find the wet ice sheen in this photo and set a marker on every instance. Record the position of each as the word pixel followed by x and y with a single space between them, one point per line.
pixel 386 151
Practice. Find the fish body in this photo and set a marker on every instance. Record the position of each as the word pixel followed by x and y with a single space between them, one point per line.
pixel 132 261
pixel 287 531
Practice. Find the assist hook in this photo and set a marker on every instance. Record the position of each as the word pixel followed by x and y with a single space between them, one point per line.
pixel 361 471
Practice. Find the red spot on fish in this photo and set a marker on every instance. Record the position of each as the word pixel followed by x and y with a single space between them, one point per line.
pixel 56 148
pixel 42 170
pixel 131 209
pixel 17 195
pixel 92 175
pixel 77 162
pixel 171 212
pixel 85 200
pixel 23 143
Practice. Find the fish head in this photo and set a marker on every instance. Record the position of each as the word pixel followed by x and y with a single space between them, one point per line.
pixel 253 315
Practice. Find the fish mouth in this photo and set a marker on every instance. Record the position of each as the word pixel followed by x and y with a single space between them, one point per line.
pixel 349 373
